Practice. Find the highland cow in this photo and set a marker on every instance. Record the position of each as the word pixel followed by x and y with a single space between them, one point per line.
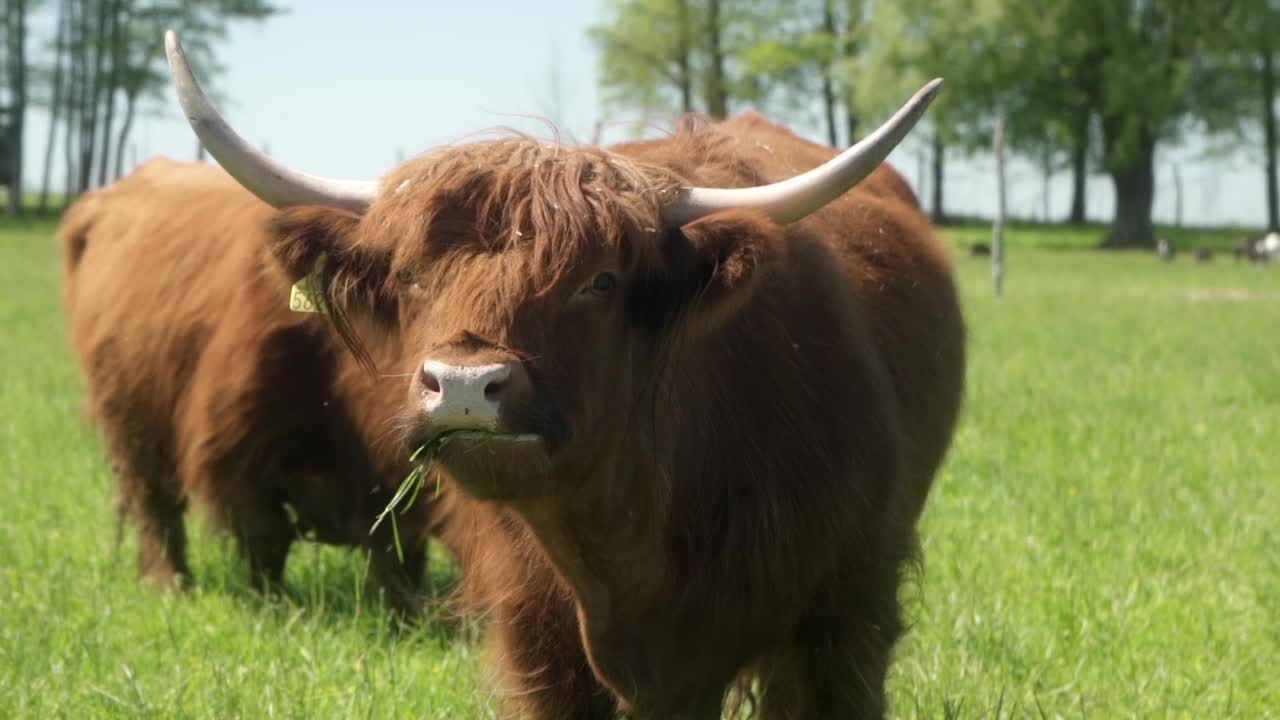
pixel 685 398
pixel 208 387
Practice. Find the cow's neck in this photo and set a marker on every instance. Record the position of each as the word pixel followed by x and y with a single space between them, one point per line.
pixel 604 547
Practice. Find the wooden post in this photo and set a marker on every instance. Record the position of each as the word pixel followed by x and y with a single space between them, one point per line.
pixel 1177 197
pixel 997 230
pixel 922 175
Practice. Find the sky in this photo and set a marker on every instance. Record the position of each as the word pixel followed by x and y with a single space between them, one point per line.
pixel 342 88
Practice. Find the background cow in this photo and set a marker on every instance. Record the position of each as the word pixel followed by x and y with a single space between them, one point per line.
pixel 208 387
pixel 688 396
pixel 1267 249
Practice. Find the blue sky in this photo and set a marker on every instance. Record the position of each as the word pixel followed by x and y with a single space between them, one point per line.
pixel 344 88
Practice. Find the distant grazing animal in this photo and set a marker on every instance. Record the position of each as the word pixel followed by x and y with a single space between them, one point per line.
pixel 1204 254
pixel 686 397
pixel 1268 248
pixel 208 388
pixel 1164 249
pixel 980 250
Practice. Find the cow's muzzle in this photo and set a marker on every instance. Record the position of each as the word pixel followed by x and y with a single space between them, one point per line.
pixel 472 399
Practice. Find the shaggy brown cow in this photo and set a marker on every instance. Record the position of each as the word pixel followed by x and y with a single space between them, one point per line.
pixel 208 387
pixel 685 432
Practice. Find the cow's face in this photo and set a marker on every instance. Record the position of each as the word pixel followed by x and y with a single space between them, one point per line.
pixel 534 295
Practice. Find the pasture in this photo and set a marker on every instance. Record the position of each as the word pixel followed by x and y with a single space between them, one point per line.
pixel 1104 540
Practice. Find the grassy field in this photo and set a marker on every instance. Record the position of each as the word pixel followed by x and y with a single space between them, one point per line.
pixel 1103 542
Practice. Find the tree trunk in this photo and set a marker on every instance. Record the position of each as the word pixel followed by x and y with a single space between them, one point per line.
pixel 1046 166
pixel 1079 172
pixel 1269 129
pixel 1135 193
pixel 17 113
pixel 74 98
pixel 850 118
pixel 939 150
pixel 847 50
pixel 112 84
pixel 89 127
pixel 828 92
pixel 1177 197
pixel 922 175
pixel 717 100
pixel 55 105
pixel 130 105
pixel 997 230
pixel 682 59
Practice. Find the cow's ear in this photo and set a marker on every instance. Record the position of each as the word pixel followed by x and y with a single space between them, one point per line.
pixel 716 263
pixel 300 236
pixel 324 243
pixel 352 278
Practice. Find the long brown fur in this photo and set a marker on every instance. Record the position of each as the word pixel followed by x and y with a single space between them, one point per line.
pixel 208 388
pixel 740 440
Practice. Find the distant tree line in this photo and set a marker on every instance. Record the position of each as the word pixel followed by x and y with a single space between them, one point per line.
pixel 1084 85
pixel 93 66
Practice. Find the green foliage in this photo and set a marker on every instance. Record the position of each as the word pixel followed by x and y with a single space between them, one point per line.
pixel 202 24
pixel 911 42
pixel 1101 542
pixel 645 54
pixel 655 55
pixel 97 56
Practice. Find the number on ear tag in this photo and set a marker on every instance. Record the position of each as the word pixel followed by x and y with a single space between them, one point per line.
pixel 304 295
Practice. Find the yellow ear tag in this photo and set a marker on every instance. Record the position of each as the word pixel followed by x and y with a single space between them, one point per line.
pixel 305 295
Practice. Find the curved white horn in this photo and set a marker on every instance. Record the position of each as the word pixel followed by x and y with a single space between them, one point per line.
pixel 259 174
pixel 794 198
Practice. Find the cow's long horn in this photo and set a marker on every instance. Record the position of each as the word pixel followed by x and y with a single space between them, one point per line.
pixel 794 198
pixel 259 174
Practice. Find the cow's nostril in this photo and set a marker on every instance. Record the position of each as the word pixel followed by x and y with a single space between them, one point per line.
pixel 493 391
pixel 429 380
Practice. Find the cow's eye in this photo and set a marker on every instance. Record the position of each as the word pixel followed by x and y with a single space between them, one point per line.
pixel 602 285
pixel 409 281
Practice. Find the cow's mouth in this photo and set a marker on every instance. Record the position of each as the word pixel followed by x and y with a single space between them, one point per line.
pixel 489 465
pixel 476 438
pixel 427 445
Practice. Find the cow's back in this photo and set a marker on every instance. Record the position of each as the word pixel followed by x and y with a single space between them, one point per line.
pixel 208 387
pixel 151 264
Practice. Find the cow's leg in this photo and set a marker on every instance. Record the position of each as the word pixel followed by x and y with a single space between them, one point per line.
pixel 836 665
pixel 162 543
pixel 545 668
pixel 401 581
pixel 264 537
pixel 149 494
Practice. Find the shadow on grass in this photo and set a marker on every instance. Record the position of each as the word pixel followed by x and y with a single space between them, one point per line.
pixel 334 585
pixel 324 585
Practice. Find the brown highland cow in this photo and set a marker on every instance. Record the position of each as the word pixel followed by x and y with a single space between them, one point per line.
pixel 208 387
pixel 686 396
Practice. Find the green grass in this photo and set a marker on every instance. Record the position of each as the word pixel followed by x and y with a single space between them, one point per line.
pixel 1037 236
pixel 1103 542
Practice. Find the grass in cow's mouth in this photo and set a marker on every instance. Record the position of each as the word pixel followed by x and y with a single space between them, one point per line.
pixel 413 483
pixel 410 488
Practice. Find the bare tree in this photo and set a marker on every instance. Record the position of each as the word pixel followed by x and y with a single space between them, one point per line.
pixel 16 39
pixel 57 100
